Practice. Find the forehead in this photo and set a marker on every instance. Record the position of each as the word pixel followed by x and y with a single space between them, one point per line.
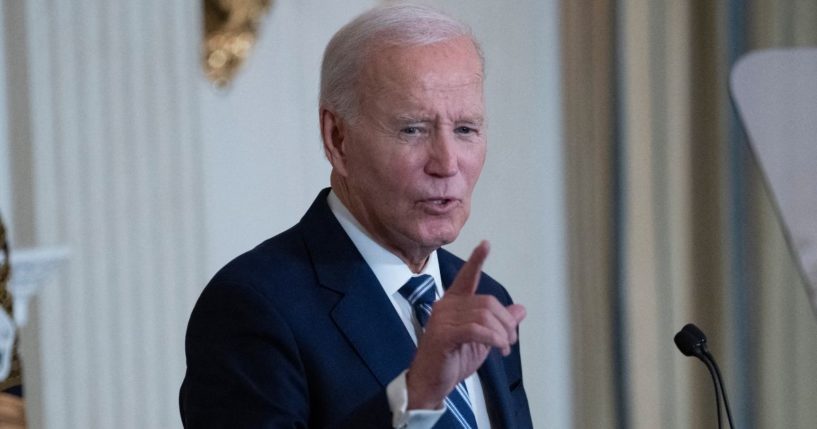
pixel 452 65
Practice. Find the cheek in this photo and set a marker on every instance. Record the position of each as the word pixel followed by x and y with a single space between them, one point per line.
pixel 403 171
pixel 367 166
pixel 387 178
pixel 473 163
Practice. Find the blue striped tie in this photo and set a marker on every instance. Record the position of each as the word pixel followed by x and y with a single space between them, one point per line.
pixel 420 291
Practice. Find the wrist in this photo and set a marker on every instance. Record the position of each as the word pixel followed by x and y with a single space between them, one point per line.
pixel 420 397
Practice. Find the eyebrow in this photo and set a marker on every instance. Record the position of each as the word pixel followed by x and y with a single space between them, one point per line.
pixel 477 120
pixel 409 118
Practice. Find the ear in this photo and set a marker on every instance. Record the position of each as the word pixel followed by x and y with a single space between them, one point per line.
pixel 334 133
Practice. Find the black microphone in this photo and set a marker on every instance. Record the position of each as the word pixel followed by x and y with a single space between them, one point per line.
pixel 692 342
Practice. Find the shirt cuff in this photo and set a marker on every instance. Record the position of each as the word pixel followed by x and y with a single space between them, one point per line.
pixel 397 394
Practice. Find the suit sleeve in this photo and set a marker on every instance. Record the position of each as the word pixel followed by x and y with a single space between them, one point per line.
pixel 244 369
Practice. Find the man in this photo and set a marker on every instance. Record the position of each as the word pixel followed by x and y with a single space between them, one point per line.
pixel 319 326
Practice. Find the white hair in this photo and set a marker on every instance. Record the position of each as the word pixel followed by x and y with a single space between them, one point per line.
pixel 400 24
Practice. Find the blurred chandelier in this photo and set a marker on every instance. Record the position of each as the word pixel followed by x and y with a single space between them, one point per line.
pixel 230 31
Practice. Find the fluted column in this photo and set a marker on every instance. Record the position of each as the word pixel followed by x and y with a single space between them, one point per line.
pixel 114 173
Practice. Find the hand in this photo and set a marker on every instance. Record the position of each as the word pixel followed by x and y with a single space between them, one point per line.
pixel 460 333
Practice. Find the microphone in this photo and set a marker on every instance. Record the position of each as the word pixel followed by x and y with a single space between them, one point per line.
pixel 691 341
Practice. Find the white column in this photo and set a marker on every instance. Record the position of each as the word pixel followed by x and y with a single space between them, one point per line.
pixel 117 177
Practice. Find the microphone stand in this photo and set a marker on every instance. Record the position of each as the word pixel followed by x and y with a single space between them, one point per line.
pixel 692 342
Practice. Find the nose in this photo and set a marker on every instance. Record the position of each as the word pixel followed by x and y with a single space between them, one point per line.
pixel 443 159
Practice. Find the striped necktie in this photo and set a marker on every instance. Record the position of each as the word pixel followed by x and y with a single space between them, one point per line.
pixel 421 292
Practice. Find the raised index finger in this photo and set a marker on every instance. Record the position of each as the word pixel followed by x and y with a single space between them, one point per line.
pixel 468 277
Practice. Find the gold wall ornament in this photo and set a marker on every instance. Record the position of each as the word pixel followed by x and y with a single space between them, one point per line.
pixel 230 31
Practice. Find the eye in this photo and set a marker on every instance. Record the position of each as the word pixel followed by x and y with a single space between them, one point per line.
pixel 464 130
pixel 414 130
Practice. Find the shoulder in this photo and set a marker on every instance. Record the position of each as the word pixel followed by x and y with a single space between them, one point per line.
pixel 277 259
pixel 286 258
pixel 267 278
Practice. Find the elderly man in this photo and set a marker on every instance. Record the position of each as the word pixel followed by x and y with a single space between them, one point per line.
pixel 330 324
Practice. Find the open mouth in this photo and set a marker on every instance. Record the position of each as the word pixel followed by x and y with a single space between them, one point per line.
pixel 439 205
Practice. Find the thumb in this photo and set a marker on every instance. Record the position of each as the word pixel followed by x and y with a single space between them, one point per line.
pixel 468 277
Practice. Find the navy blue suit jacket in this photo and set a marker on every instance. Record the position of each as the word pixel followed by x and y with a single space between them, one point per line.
pixel 298 333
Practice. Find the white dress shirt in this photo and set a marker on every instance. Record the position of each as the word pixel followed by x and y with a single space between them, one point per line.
pixel 393 273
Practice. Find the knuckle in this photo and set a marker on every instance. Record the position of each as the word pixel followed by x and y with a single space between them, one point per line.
pixel 484 316
pixel 489 301
pixel 484 300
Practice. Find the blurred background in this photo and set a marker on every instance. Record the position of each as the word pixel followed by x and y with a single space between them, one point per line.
pixel 620 196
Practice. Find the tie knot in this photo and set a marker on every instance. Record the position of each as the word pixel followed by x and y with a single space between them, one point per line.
pixel 419 290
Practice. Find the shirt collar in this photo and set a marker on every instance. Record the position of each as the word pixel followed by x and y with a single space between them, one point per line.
pixel 390 270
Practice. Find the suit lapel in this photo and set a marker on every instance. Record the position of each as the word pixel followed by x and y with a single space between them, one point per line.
pixel 495 383
pixel 364 313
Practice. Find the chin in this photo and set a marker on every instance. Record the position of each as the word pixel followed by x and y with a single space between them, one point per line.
pixel 440 236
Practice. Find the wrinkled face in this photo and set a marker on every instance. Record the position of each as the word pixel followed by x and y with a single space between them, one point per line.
pixel 410 160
